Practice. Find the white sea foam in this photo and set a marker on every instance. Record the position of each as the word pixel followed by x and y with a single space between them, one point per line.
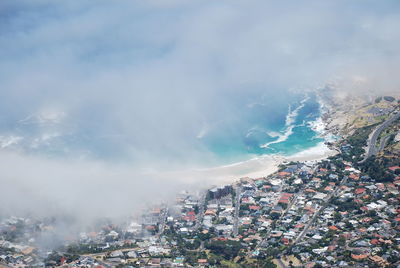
pixel 289 123
pixel 292 115
pixel 317 125
pixel 281 138
pixel 251 131
pixel 273 134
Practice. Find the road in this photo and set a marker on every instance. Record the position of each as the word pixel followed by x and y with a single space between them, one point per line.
pixel 163 219
pixel 325 204
pixel 202 203
pixel 371 143
pixel 281 263
pixel 278 221
pixel 237 209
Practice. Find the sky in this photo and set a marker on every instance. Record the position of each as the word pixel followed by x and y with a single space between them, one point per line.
pixel 146 76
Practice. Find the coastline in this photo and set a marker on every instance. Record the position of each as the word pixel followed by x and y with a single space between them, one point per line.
pixel 335 117
pixel 257 167
pixel 264 165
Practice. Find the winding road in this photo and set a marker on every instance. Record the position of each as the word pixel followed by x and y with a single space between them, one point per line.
pixel 371 143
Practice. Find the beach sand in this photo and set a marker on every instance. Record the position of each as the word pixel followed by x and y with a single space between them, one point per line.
pixel 254 168
pixel 261 166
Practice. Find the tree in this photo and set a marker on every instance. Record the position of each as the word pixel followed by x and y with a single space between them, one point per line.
pixel 226 249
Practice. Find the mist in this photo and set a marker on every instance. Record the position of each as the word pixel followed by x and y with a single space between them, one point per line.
pixel 140 80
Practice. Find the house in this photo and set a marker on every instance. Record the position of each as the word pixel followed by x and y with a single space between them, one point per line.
pixel 320 250
pixel 131 254
pixel 379 260
pixel 116 254
pixel 359 191
pixel 154 262
pixel 219 192
pixel 285 198
pixel 320 196
pixel 333 228
pixel 354 177
pixel 394 168
pixel 284 174
pixel 359 257
pixel 202 262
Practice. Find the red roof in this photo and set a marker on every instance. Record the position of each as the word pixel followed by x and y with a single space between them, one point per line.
pixel 333 228
pixel 328 188
pixel 360 190
pixel 189 218
pixel 359 257
pixel 331 247
pixel 374 241
pixel 394 168
pixel 254 207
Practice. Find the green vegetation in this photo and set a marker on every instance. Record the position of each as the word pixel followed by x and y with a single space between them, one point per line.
pixel 389 98
pixel 227 249
pixel 376 169
pixel 357 141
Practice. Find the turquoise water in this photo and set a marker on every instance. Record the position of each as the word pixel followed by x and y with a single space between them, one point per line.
pixel 246 126
pixel 276 124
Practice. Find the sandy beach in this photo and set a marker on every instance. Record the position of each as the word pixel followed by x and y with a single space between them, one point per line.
pixel 262 166
pixel 267 164
pixel 253 168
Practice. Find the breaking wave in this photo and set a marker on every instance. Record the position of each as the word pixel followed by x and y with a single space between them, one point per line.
pixel 289 125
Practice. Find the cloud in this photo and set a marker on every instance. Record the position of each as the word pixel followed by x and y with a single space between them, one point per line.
pixel 139 80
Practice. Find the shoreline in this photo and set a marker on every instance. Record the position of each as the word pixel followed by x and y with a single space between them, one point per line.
pixel 266 165
pixel 257 167
pixel 263 165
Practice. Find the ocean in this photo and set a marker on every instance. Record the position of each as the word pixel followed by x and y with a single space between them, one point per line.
pixel 278 122
pixel 273 124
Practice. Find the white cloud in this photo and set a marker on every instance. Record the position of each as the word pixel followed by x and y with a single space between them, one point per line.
pixel 153 73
